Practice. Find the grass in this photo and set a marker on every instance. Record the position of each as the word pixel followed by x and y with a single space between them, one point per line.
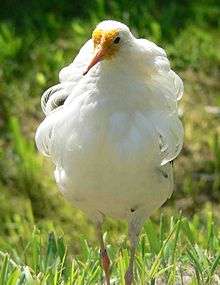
pixel 175 252
pixel 35 42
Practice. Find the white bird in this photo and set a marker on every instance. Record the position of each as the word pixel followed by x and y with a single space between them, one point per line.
pixel 112 130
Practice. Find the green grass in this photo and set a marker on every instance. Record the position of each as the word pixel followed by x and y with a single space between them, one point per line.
pixel 173 251
pixel 36 40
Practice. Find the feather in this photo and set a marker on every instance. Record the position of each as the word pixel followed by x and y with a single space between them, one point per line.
pixel 167 89
pixel 55 96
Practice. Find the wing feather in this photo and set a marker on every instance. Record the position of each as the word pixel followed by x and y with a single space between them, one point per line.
pixel 69 77
pixel 170 87
pixel 53 99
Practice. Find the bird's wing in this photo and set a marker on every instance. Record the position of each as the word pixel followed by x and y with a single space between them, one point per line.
pixel 45 132
pixel 55 96
pixel 53 99
pixel 169 130
pixel 156 59
pixel 69 77
pixel 169 90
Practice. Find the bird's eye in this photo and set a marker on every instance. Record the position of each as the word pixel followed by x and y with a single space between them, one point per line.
pixel 117 40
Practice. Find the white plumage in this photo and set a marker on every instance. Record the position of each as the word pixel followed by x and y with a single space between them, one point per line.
pixel 113 132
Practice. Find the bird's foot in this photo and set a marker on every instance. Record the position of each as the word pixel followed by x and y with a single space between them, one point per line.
pixel 129 277
pixel 105 263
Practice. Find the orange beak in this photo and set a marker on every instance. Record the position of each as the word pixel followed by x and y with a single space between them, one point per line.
pixel 99 56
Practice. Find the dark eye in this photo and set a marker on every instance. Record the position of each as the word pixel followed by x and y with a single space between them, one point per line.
pixel 117 40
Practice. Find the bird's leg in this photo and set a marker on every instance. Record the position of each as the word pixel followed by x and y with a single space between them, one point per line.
pixel 105 261
pixel 133 233
pixel 129 272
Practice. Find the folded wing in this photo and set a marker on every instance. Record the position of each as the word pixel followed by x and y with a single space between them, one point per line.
pixel 168 87
pixel 53 99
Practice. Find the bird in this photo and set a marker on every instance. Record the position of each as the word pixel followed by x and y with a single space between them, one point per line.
pixel 112 130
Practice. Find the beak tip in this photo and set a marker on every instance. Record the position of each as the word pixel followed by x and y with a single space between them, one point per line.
pixel 85 72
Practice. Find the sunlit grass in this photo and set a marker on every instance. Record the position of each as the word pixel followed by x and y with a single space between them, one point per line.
pixel 176 251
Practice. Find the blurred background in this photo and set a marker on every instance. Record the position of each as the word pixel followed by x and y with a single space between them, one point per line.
pixel 38 38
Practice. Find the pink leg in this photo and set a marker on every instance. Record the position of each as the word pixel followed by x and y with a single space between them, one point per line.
pixel 134 227
pixel 105 261
pixel 129 272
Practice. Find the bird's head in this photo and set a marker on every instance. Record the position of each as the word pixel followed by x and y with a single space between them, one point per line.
pixel 109 37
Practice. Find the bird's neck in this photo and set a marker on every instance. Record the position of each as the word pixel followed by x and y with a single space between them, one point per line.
pixel 122 69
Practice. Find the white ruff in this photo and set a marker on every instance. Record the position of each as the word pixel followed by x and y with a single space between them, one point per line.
pixel 113 139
